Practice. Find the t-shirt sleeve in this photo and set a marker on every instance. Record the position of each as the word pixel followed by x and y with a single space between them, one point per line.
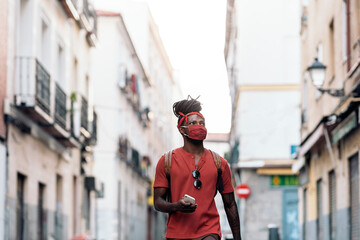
pixel 160 175
pixel 226 177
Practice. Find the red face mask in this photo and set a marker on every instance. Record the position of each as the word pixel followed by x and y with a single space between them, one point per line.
pixel 196 132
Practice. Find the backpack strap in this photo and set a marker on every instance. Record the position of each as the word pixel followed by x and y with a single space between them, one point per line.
pixel 217 161
pixel 168 157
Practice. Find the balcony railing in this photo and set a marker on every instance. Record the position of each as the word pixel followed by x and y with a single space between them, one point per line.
pixel 94 129
pixel 42 88
pixel 84 114
pixel 60 106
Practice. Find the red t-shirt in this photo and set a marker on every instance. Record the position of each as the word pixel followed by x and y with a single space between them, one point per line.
pixel 205 219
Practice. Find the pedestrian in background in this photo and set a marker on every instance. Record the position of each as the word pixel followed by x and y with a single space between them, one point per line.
pixel 193 170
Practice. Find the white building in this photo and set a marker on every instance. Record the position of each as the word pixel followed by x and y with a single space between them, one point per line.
pixel 51 187
pixel 3 73
pixel 262 54
pixel 135 121
pixel 219 142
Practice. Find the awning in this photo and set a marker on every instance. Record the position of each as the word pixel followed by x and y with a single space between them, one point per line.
pixel 312 140
pixel 345 105
pixel 298 165
pixel 265 164
pixel 344 128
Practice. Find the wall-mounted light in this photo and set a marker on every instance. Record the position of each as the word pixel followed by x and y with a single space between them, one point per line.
pixel 317 75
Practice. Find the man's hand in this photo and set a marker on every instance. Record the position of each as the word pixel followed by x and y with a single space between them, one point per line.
pixel 185 207
pixel 162 205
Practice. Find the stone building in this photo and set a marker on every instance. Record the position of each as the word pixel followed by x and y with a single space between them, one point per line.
pixel 52 125
pixel 3 79
pixel 135 123
pixel 328 160
pixel 263 57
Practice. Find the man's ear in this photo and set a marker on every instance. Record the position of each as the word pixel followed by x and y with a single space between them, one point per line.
pixel 181 130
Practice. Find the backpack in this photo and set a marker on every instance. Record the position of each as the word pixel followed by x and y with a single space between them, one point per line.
pixel 217 161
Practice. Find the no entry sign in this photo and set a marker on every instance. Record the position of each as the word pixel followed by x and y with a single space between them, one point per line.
pixel 243 191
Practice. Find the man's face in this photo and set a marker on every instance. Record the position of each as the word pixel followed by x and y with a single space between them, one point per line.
pixel 192 120
pixel 195 120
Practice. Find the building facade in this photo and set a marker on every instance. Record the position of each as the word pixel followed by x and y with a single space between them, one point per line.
pixel 328 160
pixel 135 120
pixel 52 125
pixel 3 79
pixel 219 142
pixel 262 60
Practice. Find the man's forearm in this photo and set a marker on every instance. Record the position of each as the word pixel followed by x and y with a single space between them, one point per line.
pixel 232 215
pixel 164 206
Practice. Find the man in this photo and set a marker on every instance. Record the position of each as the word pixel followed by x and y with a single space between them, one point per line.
pixel 194 172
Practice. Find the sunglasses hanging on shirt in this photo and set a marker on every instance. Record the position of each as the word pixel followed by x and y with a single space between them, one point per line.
pixel 197 182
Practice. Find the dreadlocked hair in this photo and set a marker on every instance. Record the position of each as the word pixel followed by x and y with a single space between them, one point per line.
pixel 186 106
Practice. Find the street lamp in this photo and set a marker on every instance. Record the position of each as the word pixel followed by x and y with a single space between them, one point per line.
pixel 317 75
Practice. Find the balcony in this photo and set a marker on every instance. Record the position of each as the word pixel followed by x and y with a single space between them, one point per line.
pixel 33 89
pixel 60 106
pixel 88 19
pixel 82 127
pixel 84 120
pixel 70 7
pixel 41 99
pixel 84 15
pixel 93 138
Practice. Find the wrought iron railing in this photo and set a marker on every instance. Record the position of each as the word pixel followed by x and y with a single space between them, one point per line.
pixel 303 116
pixel 60 106
pixel 91 16
pixel 94 129
pixel 84 114
pixel 42 88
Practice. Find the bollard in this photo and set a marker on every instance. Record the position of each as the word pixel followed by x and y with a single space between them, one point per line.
pixel 273 232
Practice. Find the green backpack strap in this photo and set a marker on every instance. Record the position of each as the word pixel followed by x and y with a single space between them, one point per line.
pixel 217 161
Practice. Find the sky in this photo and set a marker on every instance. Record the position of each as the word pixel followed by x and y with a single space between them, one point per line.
pixel 193 33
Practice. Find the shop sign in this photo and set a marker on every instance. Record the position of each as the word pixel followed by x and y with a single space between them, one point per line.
pixel 284 180
pixel 344 128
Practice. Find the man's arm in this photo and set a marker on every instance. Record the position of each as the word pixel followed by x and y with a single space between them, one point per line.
pixel 162 205
pixel 232 214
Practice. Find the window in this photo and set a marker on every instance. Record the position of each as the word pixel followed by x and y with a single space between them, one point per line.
pixel 44 43
pixel 305 99
pixel 319 220
pixel 331 67
pixel 74 82
pixel 346 32
pixel 354 197
pixel 60 79
pixel 332 205
pixel 20 206
pixel 320 57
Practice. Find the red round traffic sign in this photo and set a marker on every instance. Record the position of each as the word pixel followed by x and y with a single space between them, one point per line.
pixel 243 191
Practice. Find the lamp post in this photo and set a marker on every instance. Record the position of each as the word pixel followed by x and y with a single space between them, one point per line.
pixel 317 75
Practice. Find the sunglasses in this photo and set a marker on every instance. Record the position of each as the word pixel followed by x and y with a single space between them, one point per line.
pixel 197 182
